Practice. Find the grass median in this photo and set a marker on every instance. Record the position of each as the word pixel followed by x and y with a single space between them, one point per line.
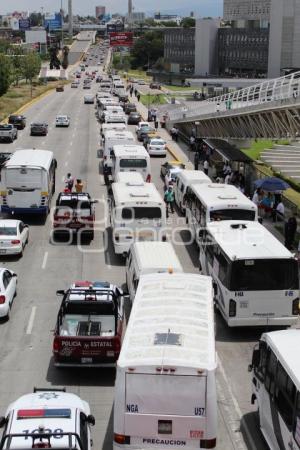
pixel 158 99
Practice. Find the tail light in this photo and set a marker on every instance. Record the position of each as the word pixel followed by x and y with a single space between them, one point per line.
pixel 208 443
pixel 56 345
pixel 148 179
pixel 232 313
pixel 117 237
pixel 295 311
pixel 121 439
pixel 15 241
pixel 2 299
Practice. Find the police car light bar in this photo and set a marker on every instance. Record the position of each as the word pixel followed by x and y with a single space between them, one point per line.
pixel 44 413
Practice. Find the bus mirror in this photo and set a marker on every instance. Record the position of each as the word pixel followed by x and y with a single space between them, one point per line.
pixel 60 292
pixel 255 358
pixel 91 419
pixel 2 421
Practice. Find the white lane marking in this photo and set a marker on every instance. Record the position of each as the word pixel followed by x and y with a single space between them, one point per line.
pixel 45 260
pixel 31 320
pixel 66 163
pixel 236 405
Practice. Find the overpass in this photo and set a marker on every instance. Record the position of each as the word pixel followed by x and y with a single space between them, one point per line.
pixel 270 109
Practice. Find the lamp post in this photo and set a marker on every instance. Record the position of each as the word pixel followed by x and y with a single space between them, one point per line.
pixel 62 23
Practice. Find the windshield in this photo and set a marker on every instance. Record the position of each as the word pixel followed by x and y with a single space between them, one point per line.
pixel 264 274
pixel 140 213
pixel 157 142
pixel 232 214
pixel 8 231
pixel 124 163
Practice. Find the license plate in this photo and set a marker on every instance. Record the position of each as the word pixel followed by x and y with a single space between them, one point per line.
pixel 86 360
pixel 2 252
pixel 75 225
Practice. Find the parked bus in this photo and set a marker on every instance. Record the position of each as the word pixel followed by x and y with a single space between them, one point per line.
pixel 137 213
pixel 216 202
pixel 28 182
pixel 255 277
pixel 111 138
pixel 131 158
pixel 276 388
pixel 165 391
pixel 184 179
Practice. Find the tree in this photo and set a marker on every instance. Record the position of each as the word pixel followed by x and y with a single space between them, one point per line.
pixel 36 19
pixel 188 22
pixel 31 66
pixel 5 71
pixel 147 49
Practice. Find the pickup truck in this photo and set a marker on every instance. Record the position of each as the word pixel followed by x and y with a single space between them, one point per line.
pixel 89 325
pixel 74 213
pixel 8 132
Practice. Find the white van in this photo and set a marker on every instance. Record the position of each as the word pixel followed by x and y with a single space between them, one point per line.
pixel 185 179
pixel 149 257
pixel 112 138
pixel 137 213
pixel 112 126
pixel 129 177
pixel 131 158
pixel 165 390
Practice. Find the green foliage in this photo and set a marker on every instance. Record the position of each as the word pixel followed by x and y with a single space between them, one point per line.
pixel 148 100
pixel 36 19
pixel 5 74
pixel 188 22
pixel 147 49
pixel 31 65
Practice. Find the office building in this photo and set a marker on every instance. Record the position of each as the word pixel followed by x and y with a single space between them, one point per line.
pixel 179 49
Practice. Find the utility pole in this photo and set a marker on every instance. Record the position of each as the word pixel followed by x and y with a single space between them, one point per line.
pixel 70 12
pixel 62 23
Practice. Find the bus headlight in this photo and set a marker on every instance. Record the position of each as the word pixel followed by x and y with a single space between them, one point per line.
pixel 232 308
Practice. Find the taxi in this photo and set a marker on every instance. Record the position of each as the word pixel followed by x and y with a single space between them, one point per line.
pixel 47 418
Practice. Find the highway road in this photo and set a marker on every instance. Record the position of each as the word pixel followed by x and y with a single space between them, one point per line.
pixel 26 350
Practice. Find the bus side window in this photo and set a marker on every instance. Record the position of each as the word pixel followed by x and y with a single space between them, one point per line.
pixel 271 372
pixel 296 428
pixel 285 396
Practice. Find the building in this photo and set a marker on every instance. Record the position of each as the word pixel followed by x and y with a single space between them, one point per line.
pixel 158 18
pixel 179 49
pixel 137 17
pixel 206 44
pixel 99 11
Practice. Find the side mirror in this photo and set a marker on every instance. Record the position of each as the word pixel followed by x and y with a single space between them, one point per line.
pixel 91 419
pixel 26 225
pixel 2 421
pixel 14 275
pixel 60 292
pixel 255 359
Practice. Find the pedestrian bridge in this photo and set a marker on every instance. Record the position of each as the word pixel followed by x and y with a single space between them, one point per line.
pixel 270 109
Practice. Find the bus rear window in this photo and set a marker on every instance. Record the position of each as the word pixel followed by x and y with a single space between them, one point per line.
pixel 232 214
pixel 138 163
pixel 264 275
pixel 139 213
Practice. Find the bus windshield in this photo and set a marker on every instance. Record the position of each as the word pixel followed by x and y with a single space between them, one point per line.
pixel 141 213
pixel 124 163
pixel 232 214
pixel 264 275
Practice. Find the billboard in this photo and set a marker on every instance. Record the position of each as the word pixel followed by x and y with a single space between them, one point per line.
pixel 121 39
pixel 52 21
pixel 24 24
pixel 34 36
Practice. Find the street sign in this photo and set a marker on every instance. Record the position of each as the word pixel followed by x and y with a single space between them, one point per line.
pixel 24 24
pixel 52 21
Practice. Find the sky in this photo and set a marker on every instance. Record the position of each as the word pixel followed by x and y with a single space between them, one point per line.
pixel 201 8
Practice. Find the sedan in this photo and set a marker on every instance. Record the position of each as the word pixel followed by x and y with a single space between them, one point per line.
pixel 87 86
pixel 88 99
pixel 173 168
pixel 134 118
pixel 14 236
pixel 38 129
pixel 74 84
pixel 156 146
pixel 60 88
pixel 62 121
pixel 8 290
pixel 143 132
pixel 129 107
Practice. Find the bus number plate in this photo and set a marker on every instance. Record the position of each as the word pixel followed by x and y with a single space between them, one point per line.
pixel 86 360
pixel 243 305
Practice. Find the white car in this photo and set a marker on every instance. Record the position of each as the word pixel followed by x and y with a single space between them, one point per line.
pixel 62 121
pixel 14 235
pixel 88 99
pixel 47 418
pixel 157 146
pixel 142 124
pixel 8 289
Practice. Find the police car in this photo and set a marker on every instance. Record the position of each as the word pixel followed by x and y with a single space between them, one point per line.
pixel 47 419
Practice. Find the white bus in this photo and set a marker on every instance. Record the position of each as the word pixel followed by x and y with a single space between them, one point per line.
pixel 129 177
pixel 215 202
pixel 184 179
pixel 28 182
pixel 131 158
pixel 165 391
pixel 255 277
pixel 137 213
pixel 111 138
pixel 276 388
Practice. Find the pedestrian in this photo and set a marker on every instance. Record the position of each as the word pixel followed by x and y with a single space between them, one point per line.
pixel 196 160
pixel 131 91
pixel 176 131
pixel 192 143
pixel 138 96
pixel 193 131
pixel 278 211
pixel 205 167
pixel 79 186
pixel 169 200
pixel 257 197
pixel 290 231
pixel 167 180
pixel 69 182
pixel 135 92
pixel 173 132
pixel 106 174
pixel 156 124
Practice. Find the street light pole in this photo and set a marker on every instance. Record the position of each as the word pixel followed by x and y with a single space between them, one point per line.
pixel 62 23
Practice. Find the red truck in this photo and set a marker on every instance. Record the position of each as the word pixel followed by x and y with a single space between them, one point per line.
pixel 89 325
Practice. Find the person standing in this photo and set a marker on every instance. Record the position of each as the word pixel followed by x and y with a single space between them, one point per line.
pixel 192 143
pixel 196 160
pixel 79 186
pixel 156 124
pixel 106 174
pixel 138 96
pixel 169 200
pixel 69 182
pixel 167 180
pixel 173 132
pixel 290 229
pixel 176 131
pixel 205 167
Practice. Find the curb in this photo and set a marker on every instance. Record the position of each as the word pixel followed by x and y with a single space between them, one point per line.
pixel 175 156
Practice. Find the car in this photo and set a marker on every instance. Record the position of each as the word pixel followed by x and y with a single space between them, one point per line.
pixel 14 235
pixel 8 289
pixel 98 79
pixel 143 132
pixel 87 86
pixel 134 118
pixel 74 84
pixel 8 132
pixel 156 146
pixel 60 88
pixel 154 85
pixel 173 168
pixel 129 107
pixel 98 63
pixel 47 418
pixel 38 129
pixel 18 121
pixel 78 75
pixel 141 124
pixel 88 99
pixel 62 121
pixel 141 82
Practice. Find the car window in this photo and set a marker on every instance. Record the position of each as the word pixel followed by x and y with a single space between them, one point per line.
pixel 21 227
pixel 6 278
pixel 8 231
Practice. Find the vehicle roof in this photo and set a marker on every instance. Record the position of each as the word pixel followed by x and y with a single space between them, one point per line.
pixel 129 177
pixel 284 344
pixel 62 116
pixel 247 240
pixel 113 126
pixel 193 176
pixel 127 193
pixel 180 304
pixel 38 123
pixel 130 151
pixel 218 195
pixel 30 158
pixel 156 255
pixel 118 134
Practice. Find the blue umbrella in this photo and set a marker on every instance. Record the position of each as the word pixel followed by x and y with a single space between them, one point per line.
pixel 271 184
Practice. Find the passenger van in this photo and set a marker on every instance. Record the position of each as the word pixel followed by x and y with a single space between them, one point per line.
pixel 137 213
pixel 149 257
pixel 185 179
pixel 28 182
pixel 112 138
pixel 105 86
pixel 165 390
pixel 131 158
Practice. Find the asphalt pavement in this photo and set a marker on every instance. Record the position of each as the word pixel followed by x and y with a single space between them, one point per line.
pixel 26 350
